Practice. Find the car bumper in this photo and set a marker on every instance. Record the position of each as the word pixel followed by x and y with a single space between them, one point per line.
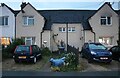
pixel 25 58
pixel 102 58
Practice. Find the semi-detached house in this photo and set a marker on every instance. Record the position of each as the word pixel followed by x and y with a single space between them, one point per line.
pixel 72 27
pixel 7 24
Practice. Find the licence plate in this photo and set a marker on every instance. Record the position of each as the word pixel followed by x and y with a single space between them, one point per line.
pixel 103 58
pixel 22 57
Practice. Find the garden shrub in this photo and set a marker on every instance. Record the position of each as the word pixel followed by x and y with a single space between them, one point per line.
pixel 9 50
pixel 71 62
pixel 46 51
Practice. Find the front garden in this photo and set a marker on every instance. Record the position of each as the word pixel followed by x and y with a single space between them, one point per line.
pixel 71 61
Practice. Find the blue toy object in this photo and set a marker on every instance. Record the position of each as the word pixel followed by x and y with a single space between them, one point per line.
pixel 57 62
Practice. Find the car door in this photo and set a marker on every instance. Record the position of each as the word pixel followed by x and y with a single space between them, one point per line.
pixel 38 51
pixel 34 50
pixel 115 52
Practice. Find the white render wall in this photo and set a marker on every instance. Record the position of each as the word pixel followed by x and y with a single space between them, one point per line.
pixel 89 36
pixel 46 37
pixel 74 38
pixel 7 31
pixel 104 30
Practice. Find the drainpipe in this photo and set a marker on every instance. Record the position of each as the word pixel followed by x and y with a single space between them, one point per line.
pixel 15 28
pixel 67 36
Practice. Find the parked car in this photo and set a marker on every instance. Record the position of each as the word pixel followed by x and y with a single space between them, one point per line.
pixel 96 52
pixel 27 53
pixel 115 52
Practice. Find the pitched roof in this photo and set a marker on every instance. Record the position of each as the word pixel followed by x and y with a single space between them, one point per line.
pixel 108 3
pixel 67 16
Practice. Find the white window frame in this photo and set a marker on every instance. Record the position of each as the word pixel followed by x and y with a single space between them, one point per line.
pixel 70 29
pixel 28 38
pixel 3 20
pixel 106 20
pixel 103 38
pixel 27 21
pixel 62 29
pixel 32 40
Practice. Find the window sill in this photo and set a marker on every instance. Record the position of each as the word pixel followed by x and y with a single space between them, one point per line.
pixel 28 25
pixel 106 25
pixel 4 25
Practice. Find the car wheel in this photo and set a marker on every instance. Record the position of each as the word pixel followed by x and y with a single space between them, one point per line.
pixel 34 60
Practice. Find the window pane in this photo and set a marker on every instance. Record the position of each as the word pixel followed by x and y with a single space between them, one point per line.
pixel 109 20
pixel 25 20
pixel 28 42
pixel 69 29
pixel 105 40
pixel 60 29
pixel 33 40
pixel 103 21
pixel 6 20
pixel 73 28
pixel 30 21
pixel 0 20
pixel 63 29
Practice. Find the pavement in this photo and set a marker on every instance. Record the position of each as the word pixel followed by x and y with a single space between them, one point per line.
pixel 34 73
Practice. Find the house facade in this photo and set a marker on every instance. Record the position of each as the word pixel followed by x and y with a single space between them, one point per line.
pixel 100 25
pixel 29 24
pixel 7 24
pixel 57 28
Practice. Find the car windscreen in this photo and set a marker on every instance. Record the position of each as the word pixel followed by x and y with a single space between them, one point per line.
pixel 96 46
pixel 23 49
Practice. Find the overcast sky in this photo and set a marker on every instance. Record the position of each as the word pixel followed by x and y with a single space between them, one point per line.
pixel 61 4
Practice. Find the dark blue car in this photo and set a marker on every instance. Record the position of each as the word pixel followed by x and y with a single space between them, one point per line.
pixel 96 52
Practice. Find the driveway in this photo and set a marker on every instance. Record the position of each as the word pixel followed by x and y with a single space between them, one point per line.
pixel 113 66
pixel 44 66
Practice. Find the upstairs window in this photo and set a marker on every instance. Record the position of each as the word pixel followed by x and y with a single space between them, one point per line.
pixel 70 29
pixel 4 20
pixel 28 20
pixel 62 29
pixel 106 20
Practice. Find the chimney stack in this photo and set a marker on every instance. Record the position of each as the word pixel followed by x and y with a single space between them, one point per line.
pixel 23 5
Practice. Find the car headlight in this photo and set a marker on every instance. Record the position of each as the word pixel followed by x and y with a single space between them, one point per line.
pixel 94 53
